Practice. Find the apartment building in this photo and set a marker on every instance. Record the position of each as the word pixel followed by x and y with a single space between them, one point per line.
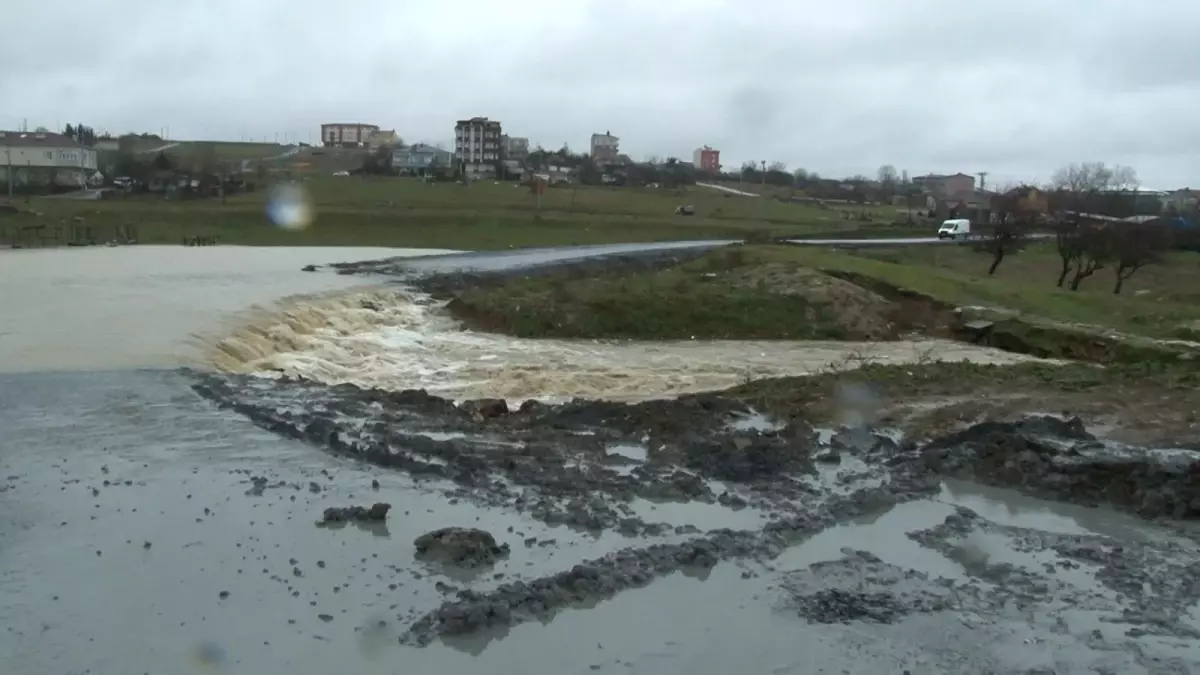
pixel 707 160
pixel 515 147
pixel 604 148
pixel 347 135
pixel 37 158
pixel 477 144
pixel 953 186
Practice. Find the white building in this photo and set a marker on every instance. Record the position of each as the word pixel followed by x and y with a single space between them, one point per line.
pixel 33 158
pixel 347 135
pixel 477 144
pixel 605 147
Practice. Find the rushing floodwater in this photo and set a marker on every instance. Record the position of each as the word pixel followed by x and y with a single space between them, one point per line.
pixel 130 541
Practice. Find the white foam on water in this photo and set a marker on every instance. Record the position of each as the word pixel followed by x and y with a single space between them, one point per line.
pixel 401 339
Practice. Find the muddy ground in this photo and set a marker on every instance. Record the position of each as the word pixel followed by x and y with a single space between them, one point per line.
pixel 602 467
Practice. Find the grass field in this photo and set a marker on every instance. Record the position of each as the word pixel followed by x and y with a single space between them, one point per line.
pixel 406 212
pixel 780 292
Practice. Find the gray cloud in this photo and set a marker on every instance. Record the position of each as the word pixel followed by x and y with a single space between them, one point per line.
pixel 1014 88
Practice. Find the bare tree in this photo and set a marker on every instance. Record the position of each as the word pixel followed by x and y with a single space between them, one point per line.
pixel 1010 226
pixel 1094 177
pixel 1136 245
pixel 888 176
pixel 1067 241
pixel 1095 250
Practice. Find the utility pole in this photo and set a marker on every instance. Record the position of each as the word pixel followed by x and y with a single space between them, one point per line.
pixel 8 168
pixel 983 180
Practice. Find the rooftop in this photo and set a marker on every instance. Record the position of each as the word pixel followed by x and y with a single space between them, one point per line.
pixel 15 139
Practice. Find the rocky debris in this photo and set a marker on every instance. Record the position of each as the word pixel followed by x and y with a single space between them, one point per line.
pixel 485 408
pixel 375 513
pixel 1055 459
pixel 462 546
pixel 861 587
pixel 746 457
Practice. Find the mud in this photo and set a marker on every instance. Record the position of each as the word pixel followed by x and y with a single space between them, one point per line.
pixel 1058 459
pixel 375 513
pixel 556 463
pixel 462 546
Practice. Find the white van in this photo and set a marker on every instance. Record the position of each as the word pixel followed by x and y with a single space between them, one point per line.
pixel 958 228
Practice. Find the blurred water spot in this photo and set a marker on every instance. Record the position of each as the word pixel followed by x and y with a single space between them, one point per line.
pixel 210 657
pixel 289 207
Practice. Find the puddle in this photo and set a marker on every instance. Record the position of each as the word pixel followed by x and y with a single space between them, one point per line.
pixel 850 474
pixel 1008 507
pixel 441 435
pixel 699 514
pixel 755 421
pixel 884 535
pixel 637 453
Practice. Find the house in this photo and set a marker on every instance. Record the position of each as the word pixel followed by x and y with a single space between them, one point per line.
pixel 477 145
pixel 382 138
pixel 421 159
pixel 45 159
pixel 946 187
pixel 346 135
pixel 604 148
pixel 1182 201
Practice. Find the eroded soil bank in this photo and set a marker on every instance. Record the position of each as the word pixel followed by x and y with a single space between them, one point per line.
pixel 692 483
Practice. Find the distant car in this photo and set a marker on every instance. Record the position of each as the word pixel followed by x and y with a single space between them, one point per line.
pixel 956 228
pixel 341 173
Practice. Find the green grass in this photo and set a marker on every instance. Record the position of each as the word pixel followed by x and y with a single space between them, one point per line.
pixel 370 211
pixel 1156 302
pixel 727 294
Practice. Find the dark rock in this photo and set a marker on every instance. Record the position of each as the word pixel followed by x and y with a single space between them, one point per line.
pixel 375 513
pixel 464 546
pixel 309 268
pixel 485 408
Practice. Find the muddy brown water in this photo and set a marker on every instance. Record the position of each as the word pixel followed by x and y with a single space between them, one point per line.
pixel 132 540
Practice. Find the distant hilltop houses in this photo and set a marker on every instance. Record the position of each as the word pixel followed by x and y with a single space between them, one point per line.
pixel 77 157
pixel 482 149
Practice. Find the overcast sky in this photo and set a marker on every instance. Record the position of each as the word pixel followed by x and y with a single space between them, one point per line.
pixel 1016 88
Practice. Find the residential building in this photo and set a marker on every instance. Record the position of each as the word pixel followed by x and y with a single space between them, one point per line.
pixel 946 187
pixel 382 138
pixel 515 147
pixel 35 158
pixel 604 148
pixel 347 135
pixel 707 160
pixel 420 159
pixel 477 144
pixel 1182 201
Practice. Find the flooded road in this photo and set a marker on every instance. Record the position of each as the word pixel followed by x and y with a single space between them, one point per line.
pixel 138 306
pixel 143 529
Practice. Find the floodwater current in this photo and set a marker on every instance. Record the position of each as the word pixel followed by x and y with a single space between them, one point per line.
pixel 132 539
